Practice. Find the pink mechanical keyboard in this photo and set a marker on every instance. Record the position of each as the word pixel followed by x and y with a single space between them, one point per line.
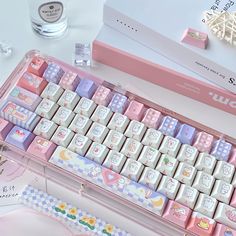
pixel 173 169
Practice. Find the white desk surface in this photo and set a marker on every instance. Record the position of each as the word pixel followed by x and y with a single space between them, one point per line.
pixel 85 21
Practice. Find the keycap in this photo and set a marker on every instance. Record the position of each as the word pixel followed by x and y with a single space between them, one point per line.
pixel 186 134
pixel 169 126
pixel 97 152
pixel 46 108
pixel 62 136
pixel 18 115
pixel 118 122
pixel 170 146
pixel 206 205
pixel 85 107
pixel 45 128
pixel 224 171
pixel 221 150
pixel 222 191
pixel 187 154
pixel 115 161
pixel 118 103
pixel 177 213
pixel 24 98
pixel 97 132
pixel 223 230
pixel 135 111
pixel 102 96
pixel 169 187
pixel 52 92
pixel 152 118
pixel 32 83
pixel 149 156
pixel 102 115
pixel 135 130
pixel 187 196
pixel 200 224
pixel 131 148
pixel 114 140
pixel 37 66
pixel 233 199
pixel 226 215
pixel 86 88
pixel 63 116
pixel 69 99
pixel 20 137
pixel 204 182
pixel 5 128
pixel 132 169
pixel 205 162
pixel 80 144
pixel 152 138
pixel 203 142
pixel 234 181
pixel 80 124
pixel 53 73
pixel 42 148
pixel 69 80
pixel 167 165
pixel 150 178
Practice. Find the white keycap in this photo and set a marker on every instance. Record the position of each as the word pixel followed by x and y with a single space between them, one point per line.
pixel 149 156
pixel 187 154
pixel 118 122
pixel 52 92
pixel 226 215
pixel 170 146
pixel 69 99
pixel 152 138
pixel 131 148
pixel 132 169
pixel 46 108
pixel 167 165
pixel 102 115
pixel 45 128
pixel 115 161
pixel 85 107
pixel 234 180
pixel 62 136
pixel 80 124
pixel 135 130
pixel 205 162
pixel 150 178
pixel 169 187
pixel 185 173
pixel 63 116
pixel 206 205
pixel 97 132
pixel 224 171
pixel 97 152
pixel 80 144
pixel 187 196
pixel 114 140
pixel 222 191
pixel 204 182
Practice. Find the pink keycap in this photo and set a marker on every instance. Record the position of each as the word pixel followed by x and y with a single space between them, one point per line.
pixel 177 213
pixel 5 128
pixel 233 199
pixel 102 96
pixel 32 82
pixel 69 80
pixel 37 66
pixel 203 142
pixel 223 230
pixel 135 111
pixel 232 158
pixel 152 118
pixel 42 148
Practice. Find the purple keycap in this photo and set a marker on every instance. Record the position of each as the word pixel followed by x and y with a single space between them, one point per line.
pixel 221 150
pixel 86 88
pixel 186 134
pixel 118 103
pixel 20 138
pixel 169 126
pixel 5 128
pixel 53 73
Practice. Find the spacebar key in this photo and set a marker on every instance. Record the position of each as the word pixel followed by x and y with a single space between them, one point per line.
pixel 105 178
